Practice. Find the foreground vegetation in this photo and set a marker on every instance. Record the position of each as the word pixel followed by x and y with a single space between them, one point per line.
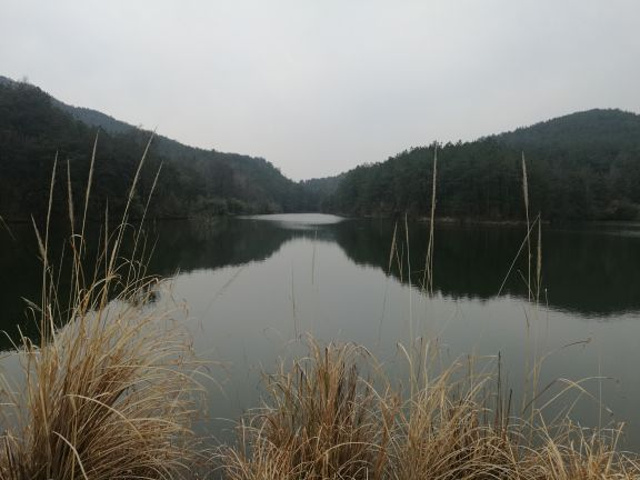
pixel 108 390
pixel 324 420
pixel 114 399
pixel 108 396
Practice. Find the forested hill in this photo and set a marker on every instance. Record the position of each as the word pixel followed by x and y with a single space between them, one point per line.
pixel 582 130
pixel 94 118
pixel 583 166
pixel 34 126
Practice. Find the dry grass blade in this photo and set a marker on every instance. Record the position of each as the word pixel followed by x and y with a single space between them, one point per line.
pixel 525 193
pixel 133 273
pixel 427 281
pixel 87 193
pixel 4 225
pixel 393 249
pixel 517 256
pixel 539 262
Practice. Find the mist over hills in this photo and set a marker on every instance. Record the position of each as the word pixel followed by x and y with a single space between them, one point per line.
pixel 582 166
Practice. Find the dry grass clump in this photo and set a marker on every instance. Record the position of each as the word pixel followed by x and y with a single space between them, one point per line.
pixel 111 395
pixel 324 421
pixel 572 453
pixel 447 429
pixel 320 422
pixel 107 397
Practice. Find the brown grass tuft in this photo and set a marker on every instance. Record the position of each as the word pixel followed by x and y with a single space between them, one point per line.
pixel 108 397
pixel 324 421
pixel 319 423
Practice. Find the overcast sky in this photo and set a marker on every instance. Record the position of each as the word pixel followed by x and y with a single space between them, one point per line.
pixel 319 86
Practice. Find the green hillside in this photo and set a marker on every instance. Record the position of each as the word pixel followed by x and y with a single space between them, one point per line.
pixel 34 127
pixel 583 166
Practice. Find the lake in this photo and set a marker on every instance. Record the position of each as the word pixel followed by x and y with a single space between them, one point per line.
pixel 255 286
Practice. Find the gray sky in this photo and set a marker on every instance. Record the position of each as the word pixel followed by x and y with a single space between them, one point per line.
pixel 320 86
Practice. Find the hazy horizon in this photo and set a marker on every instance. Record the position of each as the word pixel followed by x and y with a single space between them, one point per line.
pixel 318 88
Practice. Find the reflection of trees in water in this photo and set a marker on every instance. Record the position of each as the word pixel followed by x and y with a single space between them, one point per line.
pixel 468 262
pixel 194 245
pixel 585 272
pixel 175 246
pixel 593 274
pixel 588 273
pixel 20 279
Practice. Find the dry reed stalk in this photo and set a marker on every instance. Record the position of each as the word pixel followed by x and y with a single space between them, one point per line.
pixel 539 262
pixel 394 249
pixel 525 193
pixel 427 281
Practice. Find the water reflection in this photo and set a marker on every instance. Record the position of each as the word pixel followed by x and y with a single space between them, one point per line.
pixel 20 277
pixel 590 270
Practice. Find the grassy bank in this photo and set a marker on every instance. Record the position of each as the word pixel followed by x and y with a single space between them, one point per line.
pixel 113 396
pixel 323 419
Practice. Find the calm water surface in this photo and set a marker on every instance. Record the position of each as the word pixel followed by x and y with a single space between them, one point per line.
pixel 255 285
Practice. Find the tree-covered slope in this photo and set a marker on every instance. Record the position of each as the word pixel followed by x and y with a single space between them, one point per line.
pixel 34 127
pixel 596 128
pixel 584 166
pixel 94 118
